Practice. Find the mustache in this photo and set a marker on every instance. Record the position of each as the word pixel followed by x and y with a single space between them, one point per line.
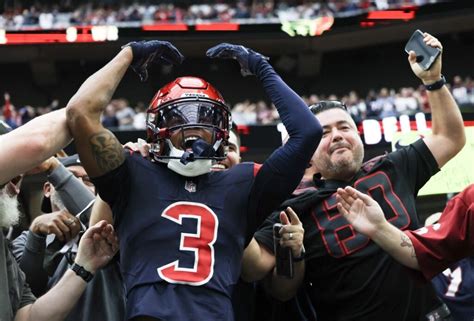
pixel 339 145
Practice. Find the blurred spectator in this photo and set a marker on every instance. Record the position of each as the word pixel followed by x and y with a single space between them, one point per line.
pixel 124 113
pixel 385 103
pixel 124 14
pixel 459 91
pixel 244 113
pixel 9 113
pixel 266 114
pixel 139 119
pixel 108 118
pixel 405 103
pixel 27 113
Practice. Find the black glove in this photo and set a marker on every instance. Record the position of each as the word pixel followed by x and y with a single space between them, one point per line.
pixel 237 52
pixel 158 51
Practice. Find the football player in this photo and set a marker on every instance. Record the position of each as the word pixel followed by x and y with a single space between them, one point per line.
pixel 183 227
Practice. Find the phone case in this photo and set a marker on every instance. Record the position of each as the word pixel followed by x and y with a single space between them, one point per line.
pixel 283 256
pixel 425 55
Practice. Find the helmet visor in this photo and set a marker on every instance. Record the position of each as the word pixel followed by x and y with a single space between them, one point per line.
pixel 190 113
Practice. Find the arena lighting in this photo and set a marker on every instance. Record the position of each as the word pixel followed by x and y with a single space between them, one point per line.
pixel 391 15
pixel 375 17
pixel 103 33
pixel 166 27
pixel 223 26
pixel 3 39
pixel 85 34
pixel 71 34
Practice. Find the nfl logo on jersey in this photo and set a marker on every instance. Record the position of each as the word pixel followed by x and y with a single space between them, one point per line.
pixel 190 186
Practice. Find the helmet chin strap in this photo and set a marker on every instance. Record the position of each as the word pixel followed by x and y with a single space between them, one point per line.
pixel 200 149
pixel 191 164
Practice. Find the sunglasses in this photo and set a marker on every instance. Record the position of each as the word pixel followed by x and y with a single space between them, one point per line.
pixel 325 105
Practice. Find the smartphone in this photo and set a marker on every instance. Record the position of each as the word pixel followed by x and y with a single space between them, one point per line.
pixel 425 55
pixel 283 255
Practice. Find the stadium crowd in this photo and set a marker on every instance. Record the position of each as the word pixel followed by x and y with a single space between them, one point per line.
pixel 377 104
pixel 46 15
pixel 302 221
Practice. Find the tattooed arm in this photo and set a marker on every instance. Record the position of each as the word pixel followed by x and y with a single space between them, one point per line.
pixel 99 149
pixel 366 216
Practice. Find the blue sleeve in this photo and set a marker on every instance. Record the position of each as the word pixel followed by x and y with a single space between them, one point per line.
pixel 283 170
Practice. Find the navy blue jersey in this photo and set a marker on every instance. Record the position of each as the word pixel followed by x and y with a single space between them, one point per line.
pixel 455 286
pixel 178 232
pixel 352 277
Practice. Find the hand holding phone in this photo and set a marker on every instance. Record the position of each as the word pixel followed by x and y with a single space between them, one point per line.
pixel 425 54
pixel 283 255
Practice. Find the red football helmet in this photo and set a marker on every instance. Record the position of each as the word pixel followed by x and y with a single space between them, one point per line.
pixel 187 102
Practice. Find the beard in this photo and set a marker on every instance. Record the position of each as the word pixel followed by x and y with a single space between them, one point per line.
pixel 9 212
pixel 56 201
pixel 343 169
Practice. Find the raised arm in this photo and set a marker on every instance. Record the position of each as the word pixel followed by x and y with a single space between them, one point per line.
pixel 366 217
pixel 281 173
pixel 99 149
pixel 448 136
pixel 33 143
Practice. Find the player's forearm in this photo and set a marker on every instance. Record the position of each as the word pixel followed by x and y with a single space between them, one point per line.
pixel 284 288
pixel 447 121
pixel 96 92
pixel 57 302
pixel 397 244
pixel 293 111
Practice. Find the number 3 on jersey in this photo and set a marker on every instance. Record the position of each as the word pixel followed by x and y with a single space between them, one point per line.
pixel 201 243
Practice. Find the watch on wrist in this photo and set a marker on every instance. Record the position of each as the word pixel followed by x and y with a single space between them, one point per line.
pixel 436 85
pixel 81 272
pixel 301 257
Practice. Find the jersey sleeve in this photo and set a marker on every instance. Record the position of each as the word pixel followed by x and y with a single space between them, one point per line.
pixel 283 170
pixel 441 244
pixel 417 164
pixel 264 235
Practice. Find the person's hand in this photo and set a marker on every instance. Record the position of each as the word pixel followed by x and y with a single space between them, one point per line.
pixel 61 223
pixel 237 52
pixel 47 166
pixel 292 232
pixel 434 73
pixel 97 247
pixel 158 51
pixel 362 212
pixel 141 146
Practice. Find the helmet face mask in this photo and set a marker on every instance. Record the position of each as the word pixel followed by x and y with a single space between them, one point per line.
pixel 188 122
